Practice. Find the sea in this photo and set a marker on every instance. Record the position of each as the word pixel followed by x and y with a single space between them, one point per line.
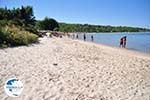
pixel 139 41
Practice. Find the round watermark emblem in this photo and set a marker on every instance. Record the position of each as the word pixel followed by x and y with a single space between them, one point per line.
pixel 13 87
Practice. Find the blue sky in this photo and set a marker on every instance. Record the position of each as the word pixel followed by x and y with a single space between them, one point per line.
pixel 134 13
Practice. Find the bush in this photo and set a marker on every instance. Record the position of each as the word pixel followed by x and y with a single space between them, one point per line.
pixel 3 46
pixel 32 38
pixel 14 36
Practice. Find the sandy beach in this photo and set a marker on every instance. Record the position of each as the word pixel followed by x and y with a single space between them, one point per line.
pixel 66 69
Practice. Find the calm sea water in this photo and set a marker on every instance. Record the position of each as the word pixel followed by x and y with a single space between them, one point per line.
pixel 135 41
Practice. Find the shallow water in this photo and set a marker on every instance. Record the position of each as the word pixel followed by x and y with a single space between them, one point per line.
pixel 135 41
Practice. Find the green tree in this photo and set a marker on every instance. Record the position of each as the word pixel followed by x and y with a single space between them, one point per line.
pixel 23 15
pixel 48 24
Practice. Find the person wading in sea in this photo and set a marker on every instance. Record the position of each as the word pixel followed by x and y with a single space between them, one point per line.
pixel 92 38
pixel 84 36
pixel 124 41
pixel 121 42
pixel 77 36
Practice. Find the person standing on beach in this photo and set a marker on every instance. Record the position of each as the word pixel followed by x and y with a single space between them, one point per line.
pixel 73 36
pixel 84 37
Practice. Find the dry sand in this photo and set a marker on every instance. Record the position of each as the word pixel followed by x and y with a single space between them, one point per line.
pixel 65 69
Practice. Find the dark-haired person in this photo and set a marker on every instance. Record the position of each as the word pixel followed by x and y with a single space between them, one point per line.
pixel 77 36
pixel 92 38
pixel 84 37
pixel 121 42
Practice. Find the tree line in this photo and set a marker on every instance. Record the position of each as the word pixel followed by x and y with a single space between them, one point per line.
pixel 97 28
pixel 53 25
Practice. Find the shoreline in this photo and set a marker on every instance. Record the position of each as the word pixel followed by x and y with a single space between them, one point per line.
pixel 109 32
pixel 133 44
pixel 130 51
pixel 147 54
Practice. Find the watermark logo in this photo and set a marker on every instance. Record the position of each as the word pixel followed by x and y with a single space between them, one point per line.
pixel 13 87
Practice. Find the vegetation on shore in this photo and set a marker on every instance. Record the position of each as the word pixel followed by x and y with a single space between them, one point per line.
pixel 15 36
pixel 17 26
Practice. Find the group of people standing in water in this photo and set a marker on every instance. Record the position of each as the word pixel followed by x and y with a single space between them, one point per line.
pixel 123 40
pixel 84 37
